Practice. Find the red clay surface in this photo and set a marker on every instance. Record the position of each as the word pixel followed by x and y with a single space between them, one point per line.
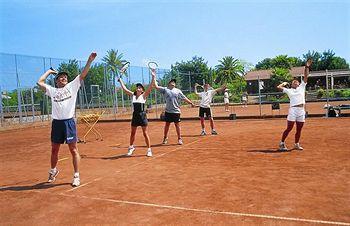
pixel 211 180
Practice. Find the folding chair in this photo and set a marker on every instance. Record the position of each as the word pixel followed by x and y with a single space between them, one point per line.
pixel 90 120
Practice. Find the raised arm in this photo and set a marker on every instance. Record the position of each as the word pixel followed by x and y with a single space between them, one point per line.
pixel 223 87
pixel 188 101
pixel 195 89
pixel 41 81
pixel 87 66
pixel 127 91
pixel 307 69
pixel 155 84
pixel 282 85
pixel 150 86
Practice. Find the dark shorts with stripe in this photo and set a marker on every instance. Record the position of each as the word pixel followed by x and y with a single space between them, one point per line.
pixel 172 117
pixel 206 111
pixel 63 131
pixel 139 119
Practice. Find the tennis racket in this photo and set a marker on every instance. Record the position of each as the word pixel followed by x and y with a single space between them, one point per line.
pixel 152 65
pixel 123 69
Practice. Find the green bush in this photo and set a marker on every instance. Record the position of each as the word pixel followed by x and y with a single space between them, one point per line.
pixel 320 93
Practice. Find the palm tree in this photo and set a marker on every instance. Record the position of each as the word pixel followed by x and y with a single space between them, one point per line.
pixel 114 61
pixel 228 70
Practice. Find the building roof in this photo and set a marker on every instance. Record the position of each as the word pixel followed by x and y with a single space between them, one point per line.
pixel 266 74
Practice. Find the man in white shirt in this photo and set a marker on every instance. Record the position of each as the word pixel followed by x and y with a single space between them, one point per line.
pixel 226 100
pixel 296 111
pixel 63 99
pixel 204 107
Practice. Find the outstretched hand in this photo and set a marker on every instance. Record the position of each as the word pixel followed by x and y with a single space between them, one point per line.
pixel 308 62
pixel 92 56
pixel 51 71
pixel 153 72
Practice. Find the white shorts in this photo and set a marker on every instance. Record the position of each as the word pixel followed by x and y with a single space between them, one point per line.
pixel 296 114
pixel 226 101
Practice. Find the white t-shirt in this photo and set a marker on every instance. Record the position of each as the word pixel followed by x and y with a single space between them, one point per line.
pixel 207 97
pixel 296 96
pixel 63 99
pixel 226 95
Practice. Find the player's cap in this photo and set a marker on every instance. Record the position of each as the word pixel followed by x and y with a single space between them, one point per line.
pixel 140 85
pixel 60 73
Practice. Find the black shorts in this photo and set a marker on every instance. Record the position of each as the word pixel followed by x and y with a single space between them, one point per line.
pixel 63 131
pixel 172 117
pixel 139 119
pixel 206 111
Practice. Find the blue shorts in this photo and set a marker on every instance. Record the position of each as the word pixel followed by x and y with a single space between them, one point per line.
pixel 63 131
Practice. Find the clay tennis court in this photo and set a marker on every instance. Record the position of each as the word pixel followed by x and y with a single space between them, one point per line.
pixel 235 178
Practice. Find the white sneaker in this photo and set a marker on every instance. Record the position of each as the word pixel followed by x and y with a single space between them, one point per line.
pixel 131 149
pixel 52 176
pixel 282 146
pixel 203 133
pixel 298 147
pixel 180 142
pixel 76 181
pixel 165 140
pixel 149 152
pixel 213 132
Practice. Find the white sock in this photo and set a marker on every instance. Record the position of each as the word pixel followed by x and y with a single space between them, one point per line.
pixel 76 174
pixel 54 170
pixel 131 146
pixel 149 149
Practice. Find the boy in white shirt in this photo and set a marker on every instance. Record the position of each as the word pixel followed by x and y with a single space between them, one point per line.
pixel 296 111
pixel 204 107
pixel 63 99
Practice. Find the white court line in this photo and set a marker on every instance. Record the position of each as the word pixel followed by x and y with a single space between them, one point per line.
pixel 63 159
pixel 132 166
pixel 263 216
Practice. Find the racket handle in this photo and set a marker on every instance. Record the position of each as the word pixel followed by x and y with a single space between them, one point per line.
pixel 53 70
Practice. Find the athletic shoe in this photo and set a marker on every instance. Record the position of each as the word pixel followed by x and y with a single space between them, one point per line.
pixel 52 176
pixel 298 147
pixel 213 132
pixel 149 152
pixel 203 133
pixel 165 140
pixel 76 181
pixel 283 147
pixel 180 142
pixel 131 149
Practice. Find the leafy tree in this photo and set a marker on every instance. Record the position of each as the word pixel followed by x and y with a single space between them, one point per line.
pixel 338 63
pixel 190 72
pixel 72 68
pixel 278 76
pixel 228 70
pixel 264 64
pixel 281 61
pixel 113 60
pixel 95 75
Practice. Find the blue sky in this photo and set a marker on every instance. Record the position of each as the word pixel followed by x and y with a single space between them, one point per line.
pixel 170 31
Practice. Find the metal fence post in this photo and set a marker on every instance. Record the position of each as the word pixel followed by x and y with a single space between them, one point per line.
pixel 259 95
pixel 32 97
pixel 327 93
pixel 1 108
pixel 19 94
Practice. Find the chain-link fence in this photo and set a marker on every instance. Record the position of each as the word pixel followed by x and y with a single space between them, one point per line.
pixel 23 102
